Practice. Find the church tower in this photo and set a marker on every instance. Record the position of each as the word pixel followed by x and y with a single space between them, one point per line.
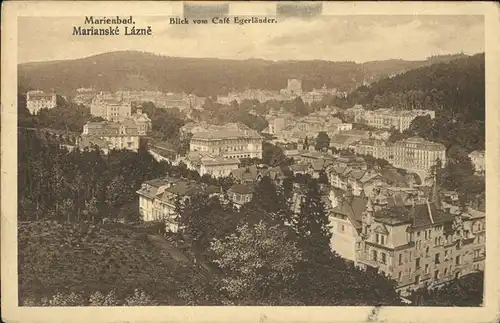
pixel 367 219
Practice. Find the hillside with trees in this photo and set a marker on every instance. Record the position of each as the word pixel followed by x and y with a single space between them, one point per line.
pixel 73 250
pixel 201 76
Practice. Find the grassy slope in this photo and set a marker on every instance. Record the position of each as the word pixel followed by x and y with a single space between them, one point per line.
pixel 66 257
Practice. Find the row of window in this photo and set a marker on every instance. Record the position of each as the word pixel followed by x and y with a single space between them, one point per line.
pixel 436 276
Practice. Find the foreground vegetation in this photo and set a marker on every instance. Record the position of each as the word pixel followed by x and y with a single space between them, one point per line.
pixel 57 259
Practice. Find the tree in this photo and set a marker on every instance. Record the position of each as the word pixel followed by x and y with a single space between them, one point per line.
pixel 204 218
pixel 140 298
pixel 271 201
pixel 322 142
pixel 115 190
pixel 272 155
pixel 91 209
pixel 312 223
pixel 99 299
pixel 258 262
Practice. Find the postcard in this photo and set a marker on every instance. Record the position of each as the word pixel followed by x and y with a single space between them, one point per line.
pixel 258 161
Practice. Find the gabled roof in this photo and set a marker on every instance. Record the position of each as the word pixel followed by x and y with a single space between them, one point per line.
pixel 427 214
pixel 380 228
pixel 353 210
pixel 241 189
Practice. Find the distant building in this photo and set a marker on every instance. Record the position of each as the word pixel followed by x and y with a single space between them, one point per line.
pixel 240 194
pixel 294 87
pixel 417 154
pixel 84 96
pixel 158 198
pixel 110 135
pixel 214 166
pixel 142 121
pixel 251 175
pixel 478 161
pixel 38 100
pixel 389 118
pixel 111 109
pixel 230 141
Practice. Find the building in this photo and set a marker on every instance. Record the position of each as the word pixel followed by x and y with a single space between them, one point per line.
pixel 374 147
pixel 84 96
pixel 390 118
pixel 227 141
pixel 206 164
pixel 417 155
pixel 252 174
pixel 38 100
pixel 417 245
pixel 240 194
pixel 142 121
pixel 294 87
pixel 477 159
pixel 109 108
pixel 158 198
pixel 119 135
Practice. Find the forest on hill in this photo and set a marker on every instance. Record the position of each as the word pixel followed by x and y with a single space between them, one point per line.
pixel 454 89
pixel 202 76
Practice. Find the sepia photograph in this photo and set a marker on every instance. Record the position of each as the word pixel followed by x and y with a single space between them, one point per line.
pixel 216 157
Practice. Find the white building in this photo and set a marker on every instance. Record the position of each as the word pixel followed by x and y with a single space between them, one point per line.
pixel 111 109
pixel 38 100
pixel 478 161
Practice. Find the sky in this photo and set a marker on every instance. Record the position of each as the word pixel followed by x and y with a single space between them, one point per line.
pixel 333 38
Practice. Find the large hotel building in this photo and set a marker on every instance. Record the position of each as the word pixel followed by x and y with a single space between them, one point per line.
pixel 38 100
pixel 421 244
pixel 413 154
pixel 229 141
pixel 110 108
pixel 389 118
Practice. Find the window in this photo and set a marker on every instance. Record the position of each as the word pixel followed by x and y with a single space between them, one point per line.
pixel 457 275
pixel 437 259
pixel 400 274
pixel 445 272
pixel 384 258
pixel 374 255
pixel 436 274
pixel 417 279
pixel 427 268
pixel 427 252
pixel 457 260
pixel 417 263
pixel 446 254
pixel 400 259
pixel 342 228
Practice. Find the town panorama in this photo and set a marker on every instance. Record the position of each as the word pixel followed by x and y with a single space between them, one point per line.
pixel 152 180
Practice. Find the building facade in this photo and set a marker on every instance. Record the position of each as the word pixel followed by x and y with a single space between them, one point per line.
pixel 142 121
pixel 421 245
pixel 227 142
pixel 38 100
pixel 417 154
pixel 158 199
pixel 478 161
pixel 109 108
pixel 123 135
pixel 389 118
